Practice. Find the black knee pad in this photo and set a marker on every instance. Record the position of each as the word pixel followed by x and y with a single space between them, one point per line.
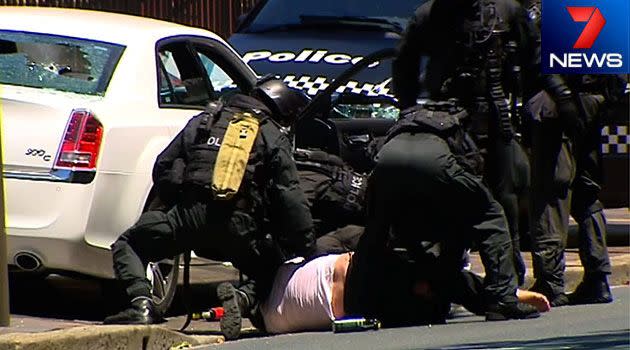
pixel 149 225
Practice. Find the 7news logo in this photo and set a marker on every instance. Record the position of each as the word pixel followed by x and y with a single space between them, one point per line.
pixel 586 36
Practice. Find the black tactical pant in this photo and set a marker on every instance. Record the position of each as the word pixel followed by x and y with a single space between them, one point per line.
pixel 566 180
pixel 507 173
pixel 418 196
pixel 161 235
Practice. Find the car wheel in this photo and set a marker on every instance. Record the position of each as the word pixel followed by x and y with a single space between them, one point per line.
pixel 163 276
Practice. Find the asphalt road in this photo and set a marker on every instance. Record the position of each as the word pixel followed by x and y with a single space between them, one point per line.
pixel 575 327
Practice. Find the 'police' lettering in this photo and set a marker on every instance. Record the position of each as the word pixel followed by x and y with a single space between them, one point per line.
pixel 338 58
pixel 282 57
pixel 214 141
pixel 306 55
pixel 256 56
pixel 357 181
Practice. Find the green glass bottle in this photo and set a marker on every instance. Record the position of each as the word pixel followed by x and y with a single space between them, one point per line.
pixel 214 314
pixel 355 324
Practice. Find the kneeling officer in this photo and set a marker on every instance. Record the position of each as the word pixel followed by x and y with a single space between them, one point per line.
pixel 425 196
pixel 235 187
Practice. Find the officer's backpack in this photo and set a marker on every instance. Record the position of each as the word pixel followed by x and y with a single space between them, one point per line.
pixel 442 118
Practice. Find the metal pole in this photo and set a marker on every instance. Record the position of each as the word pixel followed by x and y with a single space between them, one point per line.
pixel 4 270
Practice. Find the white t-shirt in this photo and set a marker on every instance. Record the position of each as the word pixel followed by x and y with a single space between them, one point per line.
pixel 301 296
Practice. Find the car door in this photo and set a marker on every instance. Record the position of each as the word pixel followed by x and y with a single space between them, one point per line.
pixel 195 70
pixel 341 121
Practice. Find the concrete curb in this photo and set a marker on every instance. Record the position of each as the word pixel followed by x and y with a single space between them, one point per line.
pixel 573 276
pixel 105 338
pixel 619 263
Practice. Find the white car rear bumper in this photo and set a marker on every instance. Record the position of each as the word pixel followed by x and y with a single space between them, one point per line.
pixel 47 221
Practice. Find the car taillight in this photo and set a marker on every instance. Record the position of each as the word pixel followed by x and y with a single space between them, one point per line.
pixel 81 142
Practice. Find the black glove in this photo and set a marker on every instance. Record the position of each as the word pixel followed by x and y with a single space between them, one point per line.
pixel 569 114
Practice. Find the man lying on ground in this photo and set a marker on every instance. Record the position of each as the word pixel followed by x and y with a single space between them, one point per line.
pixel 309 295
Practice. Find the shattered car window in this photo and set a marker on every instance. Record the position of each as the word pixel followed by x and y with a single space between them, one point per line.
pixel 372 110
pixel 56 62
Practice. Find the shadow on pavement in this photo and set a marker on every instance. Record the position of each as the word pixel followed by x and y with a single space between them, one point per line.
pixel 58 297
pixel 602 340
pixel 86 298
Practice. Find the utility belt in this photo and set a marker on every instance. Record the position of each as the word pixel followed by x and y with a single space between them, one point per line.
pixel 317 159
pixel 327 169
pixel 203 193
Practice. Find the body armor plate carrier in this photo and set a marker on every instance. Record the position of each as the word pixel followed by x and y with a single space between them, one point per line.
pixel 444 119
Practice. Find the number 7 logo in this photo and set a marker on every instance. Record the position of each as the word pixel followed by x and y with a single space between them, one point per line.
pixel 595 22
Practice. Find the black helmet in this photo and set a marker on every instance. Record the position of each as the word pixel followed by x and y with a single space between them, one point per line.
pixel 285 103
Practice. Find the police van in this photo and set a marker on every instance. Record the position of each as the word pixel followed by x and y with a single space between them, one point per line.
pixel 311 43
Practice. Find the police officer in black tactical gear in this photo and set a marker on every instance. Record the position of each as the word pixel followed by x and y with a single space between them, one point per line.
pixel 424 198
pixel 256 221
pixel 566 121
pixel 566 180
pixel 334 191
pixel 476 51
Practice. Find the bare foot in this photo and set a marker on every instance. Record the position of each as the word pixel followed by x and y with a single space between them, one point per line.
pixel 537 300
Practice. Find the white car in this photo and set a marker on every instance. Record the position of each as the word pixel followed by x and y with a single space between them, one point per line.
pixel 87 101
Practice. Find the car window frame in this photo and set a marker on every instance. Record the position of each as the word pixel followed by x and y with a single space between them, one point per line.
pixel 197 70
pixel 230 62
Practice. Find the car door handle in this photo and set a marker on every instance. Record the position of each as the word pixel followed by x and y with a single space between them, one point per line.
pixel 358 139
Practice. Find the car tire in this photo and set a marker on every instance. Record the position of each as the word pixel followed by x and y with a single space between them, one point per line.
pixel 163 274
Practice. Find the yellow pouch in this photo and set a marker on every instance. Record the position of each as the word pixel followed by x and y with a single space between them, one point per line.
pixel 233 156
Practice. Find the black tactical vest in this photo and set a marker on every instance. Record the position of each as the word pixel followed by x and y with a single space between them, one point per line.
pixel 201 147
pixel 444 120
pixel 335 192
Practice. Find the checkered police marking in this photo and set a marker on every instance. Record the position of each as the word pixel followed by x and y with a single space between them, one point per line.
pixel 615 139
pixel 309 84
pixel 313 85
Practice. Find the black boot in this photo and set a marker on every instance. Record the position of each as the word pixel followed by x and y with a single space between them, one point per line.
pixel 235 305
pixel 141 311
pixel 555 299
pixel 510 311
pixel 592 290
pixel 558 300
pixel 256 318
